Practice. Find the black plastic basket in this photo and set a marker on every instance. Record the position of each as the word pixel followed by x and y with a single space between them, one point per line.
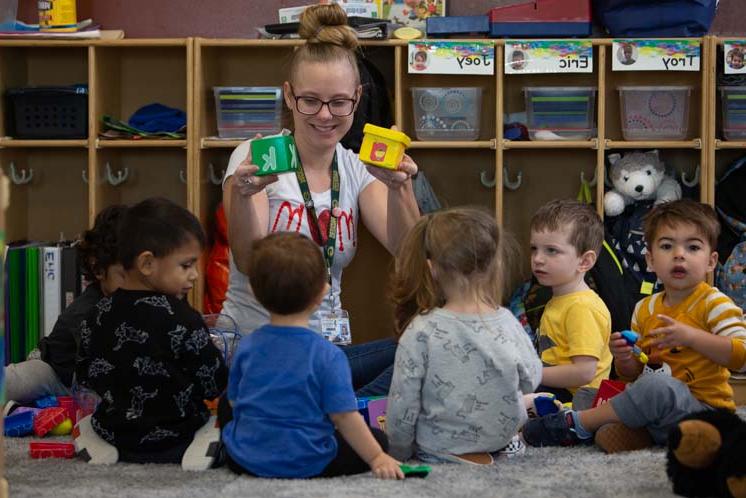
pixel 47 112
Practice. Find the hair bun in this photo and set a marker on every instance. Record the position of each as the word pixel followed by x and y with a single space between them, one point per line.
pixel 327 24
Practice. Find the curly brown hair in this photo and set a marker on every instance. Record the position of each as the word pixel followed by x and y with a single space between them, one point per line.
pixel 98 248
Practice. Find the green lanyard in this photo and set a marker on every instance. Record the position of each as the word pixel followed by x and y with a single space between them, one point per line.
pixel 331 239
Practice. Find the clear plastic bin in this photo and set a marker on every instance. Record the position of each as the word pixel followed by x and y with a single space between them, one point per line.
pixel 654 112
pixel 560 113
pixel 447 113
pixel 733 102
pixel 244 111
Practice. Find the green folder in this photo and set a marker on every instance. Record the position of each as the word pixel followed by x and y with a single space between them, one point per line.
pixel 32 299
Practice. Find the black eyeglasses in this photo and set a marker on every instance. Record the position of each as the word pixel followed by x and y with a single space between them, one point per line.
pixel 311 105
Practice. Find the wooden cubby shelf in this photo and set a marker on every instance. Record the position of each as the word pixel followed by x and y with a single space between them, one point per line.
pixel 123 75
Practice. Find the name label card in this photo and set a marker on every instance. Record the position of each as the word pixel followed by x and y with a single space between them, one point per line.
pixel 451 57
pixel 548 56
pixel 655 55
pixel 734 53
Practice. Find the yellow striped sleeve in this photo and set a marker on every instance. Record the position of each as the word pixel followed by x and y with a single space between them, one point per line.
pixel 726 319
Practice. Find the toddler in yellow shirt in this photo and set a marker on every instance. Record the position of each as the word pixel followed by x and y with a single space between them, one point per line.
pixel 566 237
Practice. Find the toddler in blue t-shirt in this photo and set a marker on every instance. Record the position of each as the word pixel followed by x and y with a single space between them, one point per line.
pixel 289 387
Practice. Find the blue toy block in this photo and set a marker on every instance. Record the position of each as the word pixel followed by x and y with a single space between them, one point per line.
pixel 47 402
pixel 19 425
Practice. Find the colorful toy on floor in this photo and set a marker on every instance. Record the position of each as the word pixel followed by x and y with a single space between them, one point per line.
pixel 705 455
pixel 607 390
pixel 68 403
pixel 51 450
pixel 47 402
pixel 632 337
pixel 62 429
pixel 19 425
pixel 415 470
pixel 48 419
pixel 383 147
pixel 541 404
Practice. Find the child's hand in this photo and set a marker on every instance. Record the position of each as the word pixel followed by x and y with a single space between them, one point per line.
pixel 385 467
pixel 672 334
pixel 620 349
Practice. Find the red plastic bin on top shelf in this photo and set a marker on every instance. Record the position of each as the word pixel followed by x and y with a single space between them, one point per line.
pixel 556 18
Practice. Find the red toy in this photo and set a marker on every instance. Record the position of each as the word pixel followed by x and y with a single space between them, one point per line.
pixel 68 403
pixel 607 390
pixel 51 450
pixel 49 418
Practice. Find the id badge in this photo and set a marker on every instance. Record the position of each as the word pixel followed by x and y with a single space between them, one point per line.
pixel 335 327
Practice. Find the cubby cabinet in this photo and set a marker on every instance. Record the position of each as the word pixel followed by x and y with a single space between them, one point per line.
pixel 125 74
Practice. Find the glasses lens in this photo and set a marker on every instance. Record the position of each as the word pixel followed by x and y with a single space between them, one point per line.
pixel 341 107
pixel 309 105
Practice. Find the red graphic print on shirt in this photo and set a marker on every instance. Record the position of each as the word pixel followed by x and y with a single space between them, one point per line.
pixel 290 219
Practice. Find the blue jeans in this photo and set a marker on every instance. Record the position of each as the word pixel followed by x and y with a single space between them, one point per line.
pixel 372 366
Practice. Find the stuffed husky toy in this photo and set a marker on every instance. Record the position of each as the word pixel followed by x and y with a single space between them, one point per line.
pixel 638 176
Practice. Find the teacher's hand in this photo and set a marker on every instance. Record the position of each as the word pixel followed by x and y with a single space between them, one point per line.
pixel 245 180
pixel 395 179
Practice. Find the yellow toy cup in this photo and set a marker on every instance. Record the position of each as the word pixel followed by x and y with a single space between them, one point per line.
pixel 383 147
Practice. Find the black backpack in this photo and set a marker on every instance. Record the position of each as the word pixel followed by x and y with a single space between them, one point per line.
pixel 374 106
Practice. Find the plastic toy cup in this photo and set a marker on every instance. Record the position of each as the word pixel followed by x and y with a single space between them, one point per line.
pixel 274 155
pixel 383 147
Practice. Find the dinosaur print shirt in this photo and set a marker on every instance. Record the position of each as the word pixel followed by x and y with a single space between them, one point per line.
pixel 458 383
pixel 150 359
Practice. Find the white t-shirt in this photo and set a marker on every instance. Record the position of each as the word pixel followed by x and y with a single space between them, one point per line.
pixel 288 213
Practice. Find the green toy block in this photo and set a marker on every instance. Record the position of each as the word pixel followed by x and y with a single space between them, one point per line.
pixel 274 155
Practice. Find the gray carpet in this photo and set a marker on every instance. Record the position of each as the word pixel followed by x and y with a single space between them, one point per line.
pixel 542 472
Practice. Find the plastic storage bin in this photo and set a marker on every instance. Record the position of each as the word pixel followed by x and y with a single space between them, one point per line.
pixel 244 111
pixel 48 112
pixel 733 102
pixel 447 113
pixel 560 113
pixel 654 112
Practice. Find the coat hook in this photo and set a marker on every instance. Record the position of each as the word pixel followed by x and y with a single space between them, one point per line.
pixel 515 185
pixel 485 182
pixel 593 180
pixel 119 178
pixel 693 182
pixel 182 176
pixel 214 179
pixel 22 179
pixel 84 174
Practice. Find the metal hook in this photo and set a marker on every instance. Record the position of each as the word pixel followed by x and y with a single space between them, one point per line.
pixel 116 180
pixel 485 182
pixel 182 176
pixel 22 179
pixel 694 181
pixel 592 182
pixel 512 185
pixel 215 180
pixel 84 174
